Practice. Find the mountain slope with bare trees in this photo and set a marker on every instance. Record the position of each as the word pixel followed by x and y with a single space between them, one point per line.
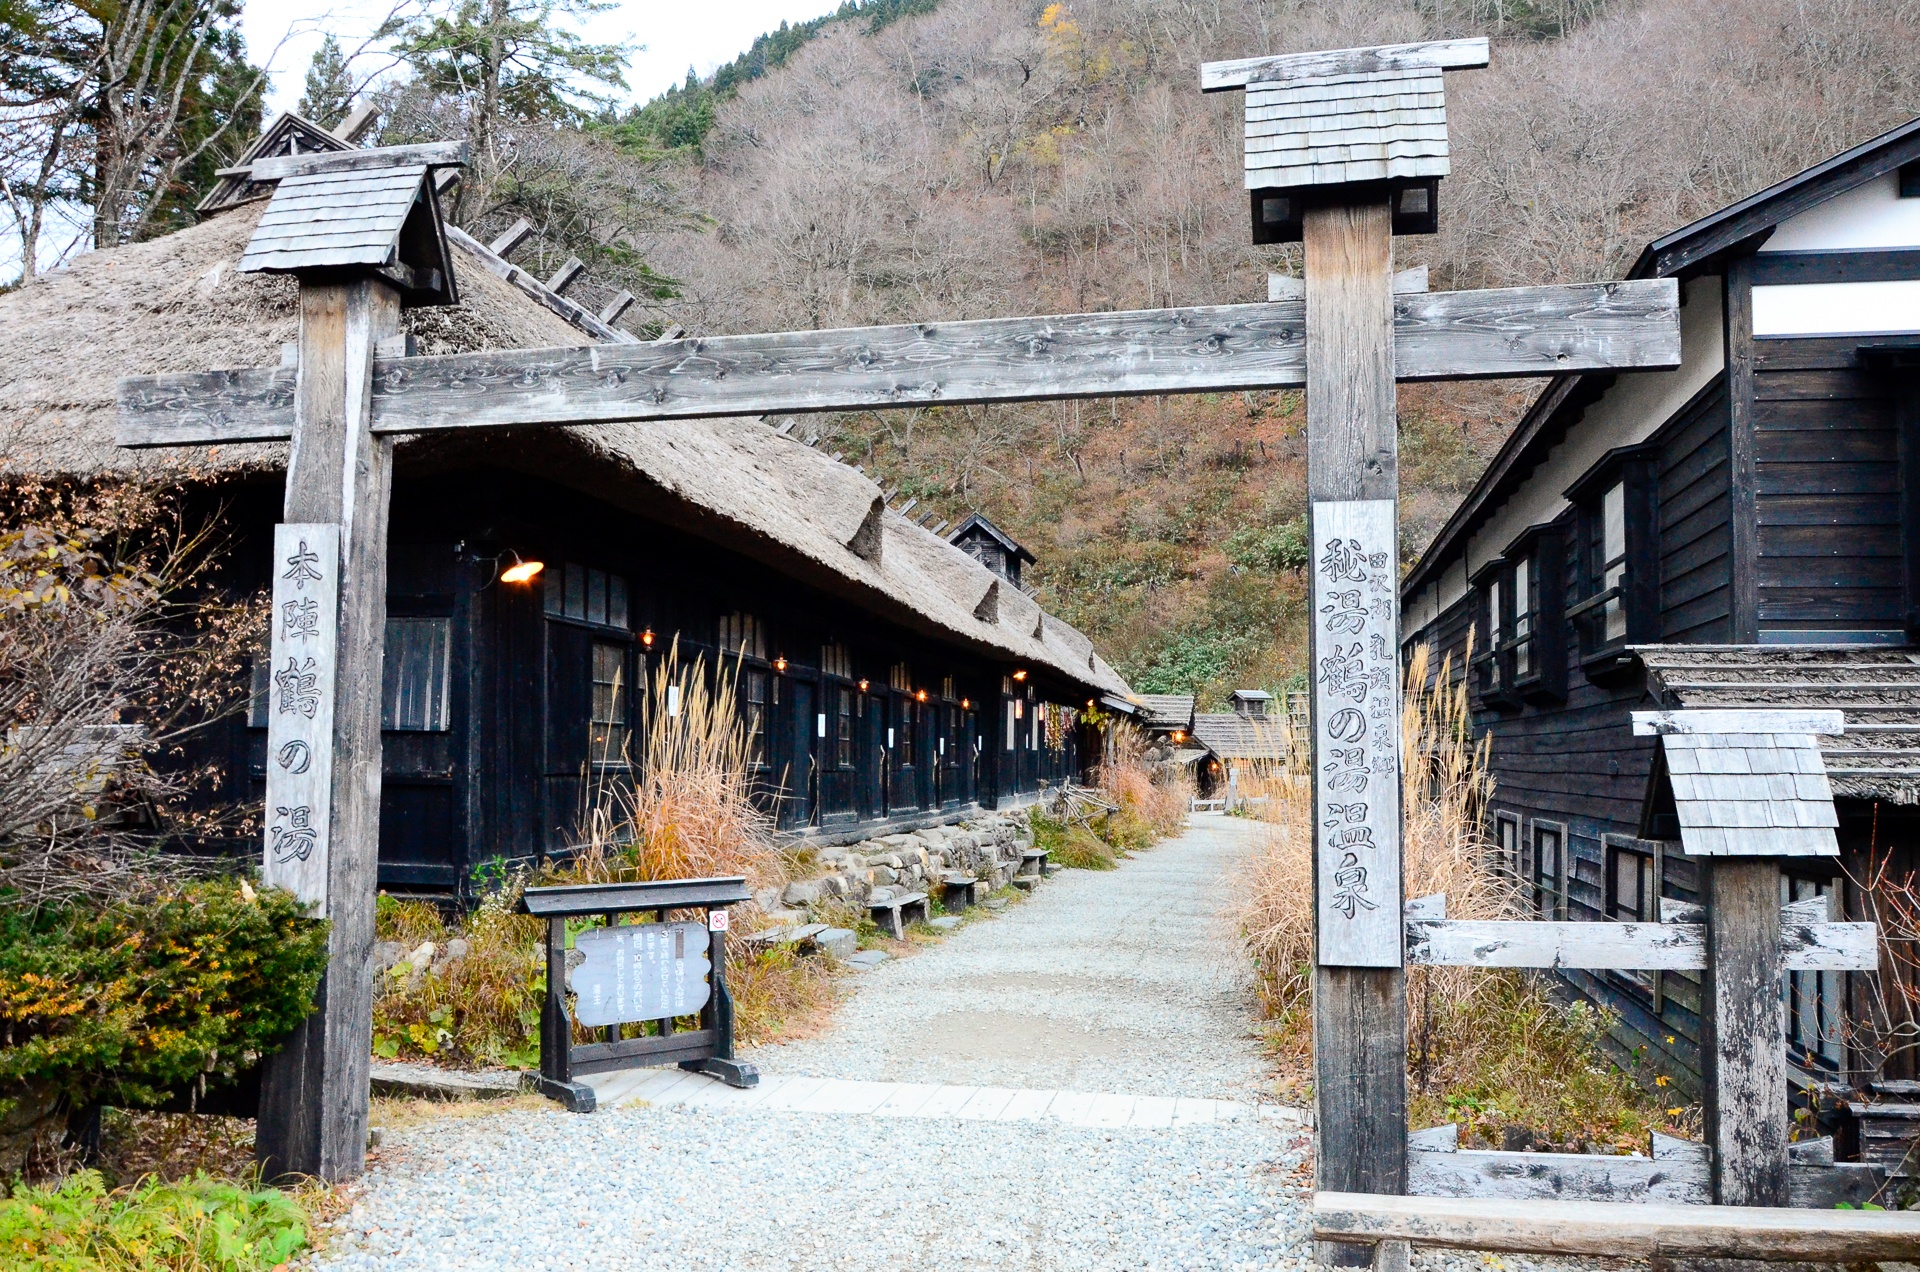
pixel 1000 157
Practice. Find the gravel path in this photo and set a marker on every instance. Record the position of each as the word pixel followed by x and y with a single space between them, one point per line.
pixel 1129 980
pixel 1126 982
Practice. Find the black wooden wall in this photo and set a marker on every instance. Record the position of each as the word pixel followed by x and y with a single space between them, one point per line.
pixel 509 775
pixel 1828 466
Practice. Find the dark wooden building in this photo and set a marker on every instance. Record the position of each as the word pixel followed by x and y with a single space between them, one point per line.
pixel 1740 531
pixel 889 678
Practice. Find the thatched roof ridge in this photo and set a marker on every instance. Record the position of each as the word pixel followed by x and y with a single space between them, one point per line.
pixel 176 304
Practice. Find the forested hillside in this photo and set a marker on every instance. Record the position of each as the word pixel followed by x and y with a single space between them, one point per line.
pixel 1002 156
pixel 939 159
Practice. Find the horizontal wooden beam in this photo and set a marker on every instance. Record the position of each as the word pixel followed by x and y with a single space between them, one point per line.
pixel 434 154
pixel 1680 1178
pixel 1617 1230
pixel 1852 947
pixel 1648 724
pixel 1528 331
pixel 1446 55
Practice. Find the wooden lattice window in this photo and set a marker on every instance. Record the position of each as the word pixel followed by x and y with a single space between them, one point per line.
pixel 742 634
pixel 843 728
pixel 413 696
pixel 1548 873
pixel 586 595
pixel 836 661
pixel 1506 839
pixel 1816 1001
pixel 609 722
pixel 754 686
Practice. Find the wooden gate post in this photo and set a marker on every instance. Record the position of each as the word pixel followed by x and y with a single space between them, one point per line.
pixel 1744 1044
pixel 313 1092
pixel 361 230
pixel 1359 1000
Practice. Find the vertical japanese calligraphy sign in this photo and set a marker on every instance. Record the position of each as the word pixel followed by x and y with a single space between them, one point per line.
pixel 300 695
pixel 1356 733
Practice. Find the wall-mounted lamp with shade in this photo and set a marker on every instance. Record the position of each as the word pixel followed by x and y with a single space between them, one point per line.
pixel 780 664
pixel 646 638
pixel 1021 674
pixel 522 571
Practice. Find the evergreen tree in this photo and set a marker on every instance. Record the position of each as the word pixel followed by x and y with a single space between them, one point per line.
pixel 510 60
pixel 329 92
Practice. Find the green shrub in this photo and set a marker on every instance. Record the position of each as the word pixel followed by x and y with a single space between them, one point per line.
pixel 201 1223
pixel 128 1003
pixel 1075 847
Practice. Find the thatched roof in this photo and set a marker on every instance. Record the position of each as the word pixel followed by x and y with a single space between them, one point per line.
pixel 176 304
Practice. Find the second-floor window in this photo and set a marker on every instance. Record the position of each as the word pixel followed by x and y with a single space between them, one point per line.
pixel 1616 540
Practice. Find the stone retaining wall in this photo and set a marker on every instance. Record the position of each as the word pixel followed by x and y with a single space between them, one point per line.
pixel 987 846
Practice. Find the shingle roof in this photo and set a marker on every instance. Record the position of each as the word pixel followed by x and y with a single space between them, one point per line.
pixel 1231 736
pixel 1334 129
pixel 1877 690
pixel 335 218
pixel 1167 710
pixel 1748 783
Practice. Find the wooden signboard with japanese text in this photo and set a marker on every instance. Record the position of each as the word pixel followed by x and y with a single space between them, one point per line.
pixel 640 971
pixel 1356 688
pixel 300 693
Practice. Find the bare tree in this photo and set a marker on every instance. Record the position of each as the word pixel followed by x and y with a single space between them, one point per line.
pixel 113 655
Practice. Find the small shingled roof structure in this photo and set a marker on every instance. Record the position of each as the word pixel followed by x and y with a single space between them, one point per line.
pixel 1747 783
pixel 1876 689
pixel 358 208
pixel 1344 117
pixel 1337 129
pixel 1167 710
pixel 1232 736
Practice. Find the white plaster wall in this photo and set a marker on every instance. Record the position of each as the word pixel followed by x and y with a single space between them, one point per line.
pixel 1638 403
pixel 1836 309
pixel 1866 218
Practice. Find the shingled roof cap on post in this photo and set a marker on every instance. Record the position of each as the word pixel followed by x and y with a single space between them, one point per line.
pixel 350 210
pixel 1325 122
pixel 1748 783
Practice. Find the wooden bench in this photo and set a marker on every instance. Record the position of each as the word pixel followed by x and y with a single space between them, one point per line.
pixel 1608 1229
pixel 957 891
pixel 893 913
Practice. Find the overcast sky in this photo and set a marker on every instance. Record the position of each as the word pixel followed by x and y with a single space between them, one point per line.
pixel 677 34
